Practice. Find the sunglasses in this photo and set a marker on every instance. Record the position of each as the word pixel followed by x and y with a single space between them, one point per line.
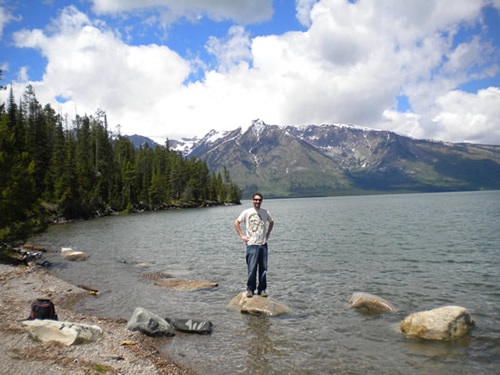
pixel 257 200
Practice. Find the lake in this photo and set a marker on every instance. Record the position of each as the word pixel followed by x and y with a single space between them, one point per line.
pixel 418 251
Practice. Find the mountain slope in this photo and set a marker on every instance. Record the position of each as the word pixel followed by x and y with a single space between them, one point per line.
pixel 285 161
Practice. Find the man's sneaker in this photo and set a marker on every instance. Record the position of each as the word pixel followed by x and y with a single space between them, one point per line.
pixel 249 294
pixel 263 294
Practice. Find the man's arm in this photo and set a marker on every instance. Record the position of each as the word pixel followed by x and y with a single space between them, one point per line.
pixel 269 229
pixel 238 229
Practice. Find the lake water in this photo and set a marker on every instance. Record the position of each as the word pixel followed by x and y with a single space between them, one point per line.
pixel 418 251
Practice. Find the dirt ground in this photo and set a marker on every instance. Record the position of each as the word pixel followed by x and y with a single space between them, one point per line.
pixel 119 351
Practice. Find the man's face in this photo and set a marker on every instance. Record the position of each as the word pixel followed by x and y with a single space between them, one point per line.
pixel 257 201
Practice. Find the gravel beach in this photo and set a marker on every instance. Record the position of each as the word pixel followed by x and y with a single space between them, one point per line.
pixel 119 351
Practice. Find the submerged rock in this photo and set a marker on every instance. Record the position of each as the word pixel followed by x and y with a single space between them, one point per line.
pixel 444 323
pixel 185 285
pixel 149 323
pixel 370 303
pixel 257 305
pixel 65 332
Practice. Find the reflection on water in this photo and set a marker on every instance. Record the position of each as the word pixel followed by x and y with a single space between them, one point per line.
pixel 418 251
pixel 260 346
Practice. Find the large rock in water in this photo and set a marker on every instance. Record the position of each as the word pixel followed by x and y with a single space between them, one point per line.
pixel 149 323
pixel 257 305
pixel 65 332
pixel 370 303
pixel 444 323
pixel 185 285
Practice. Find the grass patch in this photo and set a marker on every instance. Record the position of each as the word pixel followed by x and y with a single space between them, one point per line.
pixel 100 368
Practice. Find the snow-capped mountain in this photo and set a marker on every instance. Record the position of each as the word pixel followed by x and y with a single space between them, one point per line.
pixel 335 159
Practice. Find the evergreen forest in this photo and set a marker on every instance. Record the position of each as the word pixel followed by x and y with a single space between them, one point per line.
pixel 50 168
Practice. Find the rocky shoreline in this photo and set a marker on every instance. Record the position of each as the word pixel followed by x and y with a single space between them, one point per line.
pixel 119 351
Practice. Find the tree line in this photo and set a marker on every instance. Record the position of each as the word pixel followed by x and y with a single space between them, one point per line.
pixel 80 171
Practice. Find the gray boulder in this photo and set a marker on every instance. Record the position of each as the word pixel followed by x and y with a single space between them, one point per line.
pixel 191 325
pixel 65 332
pixel 444 323
pixel 149 323
pixel 370 303
pixel 257 305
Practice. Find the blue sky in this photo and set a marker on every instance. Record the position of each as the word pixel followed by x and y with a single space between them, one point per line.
pixel 169 68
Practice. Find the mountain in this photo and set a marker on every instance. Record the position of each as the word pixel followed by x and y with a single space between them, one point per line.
pixel 316 160
pixel 140 141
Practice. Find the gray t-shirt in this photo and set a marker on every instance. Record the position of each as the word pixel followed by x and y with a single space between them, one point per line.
pixel 255 225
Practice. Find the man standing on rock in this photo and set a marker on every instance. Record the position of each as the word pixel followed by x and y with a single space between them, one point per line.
pixel 256 237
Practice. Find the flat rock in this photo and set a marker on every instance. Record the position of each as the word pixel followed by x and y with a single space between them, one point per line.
pixel 370 303
pixel 67 333
pixel 444 323
pixel 185 285
pixel 257 305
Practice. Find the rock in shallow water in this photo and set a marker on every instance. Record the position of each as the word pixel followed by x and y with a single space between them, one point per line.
pixel 185 285
pixel 191 325
pixel 444 323
pixel 257 305
pixel 149 323
pixel 370 303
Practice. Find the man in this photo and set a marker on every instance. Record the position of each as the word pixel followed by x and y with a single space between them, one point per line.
pixel 256 235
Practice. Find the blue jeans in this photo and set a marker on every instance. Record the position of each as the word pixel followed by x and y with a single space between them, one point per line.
pixel 256 259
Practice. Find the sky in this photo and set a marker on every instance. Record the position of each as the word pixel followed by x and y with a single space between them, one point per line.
pixel 429 69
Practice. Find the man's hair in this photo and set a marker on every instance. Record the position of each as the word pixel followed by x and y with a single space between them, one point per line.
pixel 259 194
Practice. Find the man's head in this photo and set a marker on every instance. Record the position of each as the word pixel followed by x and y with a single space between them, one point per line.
pixel 257 200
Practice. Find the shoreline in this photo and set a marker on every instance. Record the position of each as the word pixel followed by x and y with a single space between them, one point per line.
pixel 119 351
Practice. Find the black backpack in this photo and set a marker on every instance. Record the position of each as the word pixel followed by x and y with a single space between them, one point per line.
pixel 42 309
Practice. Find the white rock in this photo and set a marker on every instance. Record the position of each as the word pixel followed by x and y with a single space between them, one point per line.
pixel 66 249
pixel 144 265
pixel 444 323
pixel 65 332
pixel 75 255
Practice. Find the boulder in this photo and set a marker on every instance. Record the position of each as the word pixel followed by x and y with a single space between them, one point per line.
pixel 65 332
pixel 185 285
pixel 191 325
pixel 149 323
pixel 257 305
pixel 370 303
pixel 444 323
pixel 75 255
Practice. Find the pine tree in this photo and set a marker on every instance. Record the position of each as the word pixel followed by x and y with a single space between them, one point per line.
pixel 21 213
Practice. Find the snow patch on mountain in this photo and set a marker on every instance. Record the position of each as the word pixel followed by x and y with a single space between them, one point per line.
pixel 184 145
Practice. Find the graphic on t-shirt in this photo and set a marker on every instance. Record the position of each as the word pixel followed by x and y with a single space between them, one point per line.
pixel 255 226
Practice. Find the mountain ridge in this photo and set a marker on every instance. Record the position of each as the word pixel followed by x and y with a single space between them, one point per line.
pixel 333 159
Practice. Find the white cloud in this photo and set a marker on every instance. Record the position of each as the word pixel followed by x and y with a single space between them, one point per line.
pixel 231 51
pixel 95 69
pixel 303 11
pixel 241 11
pixel 349 66
pixel 469 117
